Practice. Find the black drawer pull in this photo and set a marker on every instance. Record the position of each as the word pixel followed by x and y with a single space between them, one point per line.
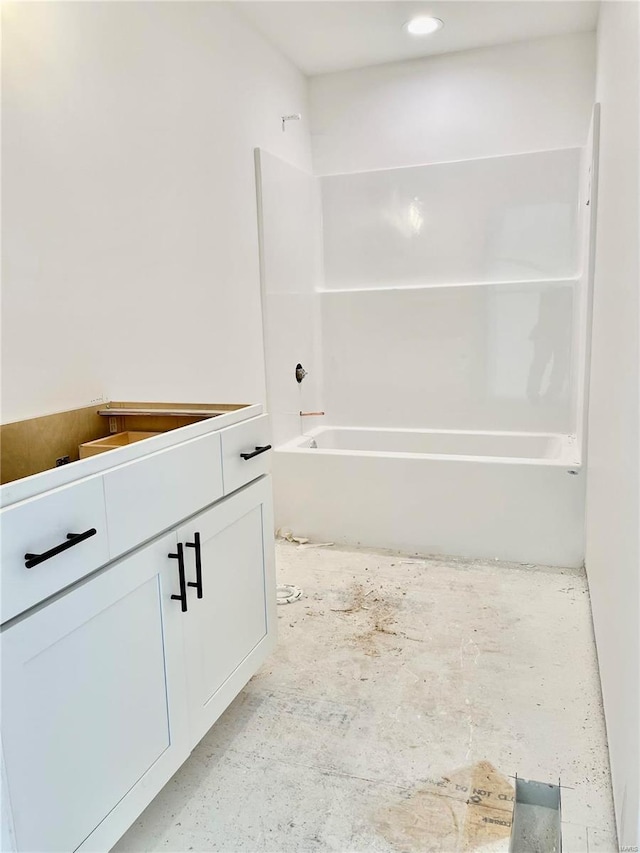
pixel 31 560
pixel 182 598
pixel 196 544
pixel 256 452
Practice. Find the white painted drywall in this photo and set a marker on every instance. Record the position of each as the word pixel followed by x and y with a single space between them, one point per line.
pixel 130 246
pixel 509 99
pixel 322 38
pixel 613 483
pixel 291 266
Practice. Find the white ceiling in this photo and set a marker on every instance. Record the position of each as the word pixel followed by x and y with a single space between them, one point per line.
pixel 321 36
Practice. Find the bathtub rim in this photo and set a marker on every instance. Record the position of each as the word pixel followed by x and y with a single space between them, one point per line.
pixel 569 456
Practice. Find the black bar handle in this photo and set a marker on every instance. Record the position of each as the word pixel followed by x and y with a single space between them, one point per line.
pixel 182 598
pixel 256 452
pixel 31 560
pixel 196 544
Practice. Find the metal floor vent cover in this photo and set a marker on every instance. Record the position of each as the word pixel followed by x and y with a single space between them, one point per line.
pixel 536 825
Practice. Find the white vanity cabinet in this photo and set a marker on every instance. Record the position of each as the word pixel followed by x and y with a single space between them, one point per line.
pixel 93 702
pixel 109 683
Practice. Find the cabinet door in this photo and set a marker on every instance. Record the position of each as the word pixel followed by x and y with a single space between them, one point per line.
pixel 230 629
pixel 93 713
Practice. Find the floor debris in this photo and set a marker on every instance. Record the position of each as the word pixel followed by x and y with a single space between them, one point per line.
pixel 287 593
pixel 287 534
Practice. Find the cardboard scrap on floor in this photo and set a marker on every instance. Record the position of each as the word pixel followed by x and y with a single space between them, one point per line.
pixel 469 809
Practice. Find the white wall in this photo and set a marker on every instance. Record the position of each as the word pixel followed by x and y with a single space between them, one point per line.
pixel 613 553
pixel 479 103
pixel 130 247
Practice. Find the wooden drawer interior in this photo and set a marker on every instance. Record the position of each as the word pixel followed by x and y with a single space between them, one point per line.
pixel 110 442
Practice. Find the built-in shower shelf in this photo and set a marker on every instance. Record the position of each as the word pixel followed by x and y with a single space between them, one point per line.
pixel 393 288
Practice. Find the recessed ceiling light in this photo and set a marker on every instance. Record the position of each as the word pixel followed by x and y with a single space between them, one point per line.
pixel 423 25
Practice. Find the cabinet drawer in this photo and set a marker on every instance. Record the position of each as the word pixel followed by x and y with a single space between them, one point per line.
pixel 245 438
pixel 40 527
pixel 149 495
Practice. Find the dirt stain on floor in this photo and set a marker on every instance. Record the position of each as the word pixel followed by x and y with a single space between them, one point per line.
pixel 380 621
pixel 371 617
pixel 465 811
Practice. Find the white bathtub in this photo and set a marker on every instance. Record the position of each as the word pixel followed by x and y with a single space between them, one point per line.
pixel 510 496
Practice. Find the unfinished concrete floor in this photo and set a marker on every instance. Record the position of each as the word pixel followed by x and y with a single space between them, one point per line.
pixel 403 696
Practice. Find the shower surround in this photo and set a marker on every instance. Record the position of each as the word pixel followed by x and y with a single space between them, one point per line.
pixel 443 317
